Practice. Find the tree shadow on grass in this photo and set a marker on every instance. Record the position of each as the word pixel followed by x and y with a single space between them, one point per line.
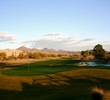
pixel 57 87
pixel 9 95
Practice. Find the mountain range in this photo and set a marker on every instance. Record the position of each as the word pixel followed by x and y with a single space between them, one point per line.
pixel 46 50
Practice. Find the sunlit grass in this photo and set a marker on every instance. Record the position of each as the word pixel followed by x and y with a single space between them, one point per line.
pixel 41 68
pixel 47 67
pixel 58 79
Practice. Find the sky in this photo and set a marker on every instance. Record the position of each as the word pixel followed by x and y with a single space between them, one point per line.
pixel 59 24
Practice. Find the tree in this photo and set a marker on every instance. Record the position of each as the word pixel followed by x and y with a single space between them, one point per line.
pixel 98 51
pixel 85 54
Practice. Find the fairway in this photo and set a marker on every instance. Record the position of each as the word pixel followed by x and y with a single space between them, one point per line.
pixel 58 79
pixel 69 85
pixel 47 67
pixel 41 67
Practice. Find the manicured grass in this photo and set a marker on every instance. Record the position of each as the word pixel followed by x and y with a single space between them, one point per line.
pixel 41 67
pixel 69 85
pixel 57 79
pixel 47 67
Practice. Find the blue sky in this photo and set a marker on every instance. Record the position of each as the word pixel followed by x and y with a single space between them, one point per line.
pixel 58 24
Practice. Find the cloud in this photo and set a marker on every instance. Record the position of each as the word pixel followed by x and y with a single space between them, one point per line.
pixel 63 41
pixel 85 41
pixel 50 40
pixel 55 43
pixel 54 34
pixel 7 37
pixel 88 39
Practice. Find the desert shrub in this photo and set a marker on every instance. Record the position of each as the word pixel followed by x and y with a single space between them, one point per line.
pixel 2 55
pixel 52 55
pixel 23 55
pixel 60 55
pixel 12 57
pixel 37 55
pixel 100 94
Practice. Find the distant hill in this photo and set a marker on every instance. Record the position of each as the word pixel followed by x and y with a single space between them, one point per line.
pixel 46 50
pixel 25 49
pixel 49 50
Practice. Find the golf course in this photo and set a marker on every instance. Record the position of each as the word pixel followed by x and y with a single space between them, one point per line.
pixel 56 79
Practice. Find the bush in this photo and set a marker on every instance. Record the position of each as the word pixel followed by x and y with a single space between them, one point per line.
pixel 100 94
pixel 37 55
pixel 12 57
pixel 2 55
